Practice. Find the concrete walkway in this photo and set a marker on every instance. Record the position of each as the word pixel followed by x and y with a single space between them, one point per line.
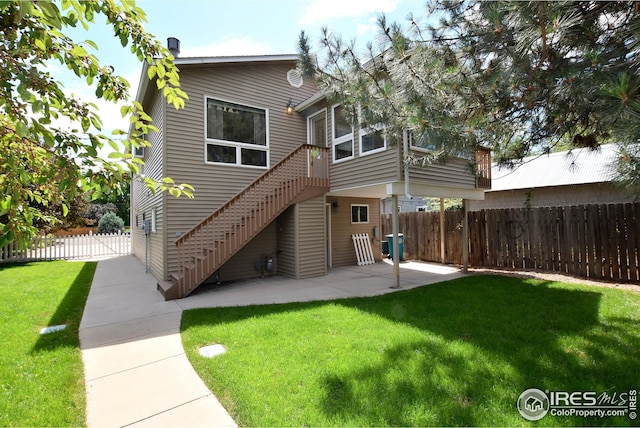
pixel 136 371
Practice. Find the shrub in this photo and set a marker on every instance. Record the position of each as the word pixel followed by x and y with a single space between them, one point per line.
pixel 95 212
pixel 110 223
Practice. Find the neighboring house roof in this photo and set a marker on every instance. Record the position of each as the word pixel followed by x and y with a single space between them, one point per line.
pixel 578 166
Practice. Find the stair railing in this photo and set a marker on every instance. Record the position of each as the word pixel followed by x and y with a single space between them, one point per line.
pixel 213 241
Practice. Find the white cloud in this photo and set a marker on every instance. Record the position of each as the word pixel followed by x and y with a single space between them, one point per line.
pixel 369 27
pixel 229 46
pixel 320 11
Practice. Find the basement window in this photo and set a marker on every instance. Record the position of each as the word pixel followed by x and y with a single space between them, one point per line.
pixel 359 214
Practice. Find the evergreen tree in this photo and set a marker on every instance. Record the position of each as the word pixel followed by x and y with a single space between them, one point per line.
pixel 518 77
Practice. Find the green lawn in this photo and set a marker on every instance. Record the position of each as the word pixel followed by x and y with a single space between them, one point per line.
pixel 42 376
pixel 454 353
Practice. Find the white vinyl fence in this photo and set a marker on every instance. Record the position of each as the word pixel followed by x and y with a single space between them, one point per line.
pixel 80 247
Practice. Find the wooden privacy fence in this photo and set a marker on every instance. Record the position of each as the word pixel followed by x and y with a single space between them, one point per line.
pixel 593 241
pixel 50 247
pixel 422 235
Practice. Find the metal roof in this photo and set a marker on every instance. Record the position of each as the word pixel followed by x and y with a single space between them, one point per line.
pixel 578 166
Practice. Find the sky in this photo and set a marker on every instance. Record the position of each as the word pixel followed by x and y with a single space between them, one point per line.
pixel 235 27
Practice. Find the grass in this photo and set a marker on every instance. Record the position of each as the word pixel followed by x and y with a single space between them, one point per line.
pixel 41 376
pixel 455 353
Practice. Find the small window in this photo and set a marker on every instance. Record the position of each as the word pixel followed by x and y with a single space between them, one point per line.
pixel 342 135
pixel 359 214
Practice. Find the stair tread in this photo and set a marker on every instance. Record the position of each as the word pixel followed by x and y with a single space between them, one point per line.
pixel 166 285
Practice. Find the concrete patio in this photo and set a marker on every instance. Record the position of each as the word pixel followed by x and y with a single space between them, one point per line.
pixel 136 371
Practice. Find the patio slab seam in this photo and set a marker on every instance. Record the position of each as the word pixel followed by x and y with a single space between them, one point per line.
pixel 135 367
pixel 167 410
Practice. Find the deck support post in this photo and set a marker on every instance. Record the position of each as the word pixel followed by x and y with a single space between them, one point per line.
pixel 396 241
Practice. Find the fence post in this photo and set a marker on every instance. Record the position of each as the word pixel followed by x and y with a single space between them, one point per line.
pixel 465 236
pixel 443 258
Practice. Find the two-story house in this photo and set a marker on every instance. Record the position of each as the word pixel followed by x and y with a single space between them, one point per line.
pixel 282 179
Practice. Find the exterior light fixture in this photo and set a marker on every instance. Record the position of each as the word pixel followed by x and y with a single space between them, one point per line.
pixel 290 107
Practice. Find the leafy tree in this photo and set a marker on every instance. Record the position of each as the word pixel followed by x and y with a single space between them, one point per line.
pixel 95 212
pixel 450 204
pixel 76 208
pixel 41 160
pixel 518 77
pixel 110 223
pixel 119 198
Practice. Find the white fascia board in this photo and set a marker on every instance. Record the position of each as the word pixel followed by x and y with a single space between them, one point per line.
pixel 424 190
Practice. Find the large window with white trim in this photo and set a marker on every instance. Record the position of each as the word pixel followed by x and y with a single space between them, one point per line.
pixel 236 134
pixel 342 135
pixel 359 214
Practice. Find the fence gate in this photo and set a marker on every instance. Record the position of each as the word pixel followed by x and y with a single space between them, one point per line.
pixel 79 247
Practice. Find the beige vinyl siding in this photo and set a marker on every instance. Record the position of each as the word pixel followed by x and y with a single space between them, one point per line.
pixel 242 265
pixel 287 249
pixel 151 249
pixel 342 249
pixel 454 173
pixel 312 260
pixel 259 85
pixel 370 169
pixel 301 240
pixel 377 168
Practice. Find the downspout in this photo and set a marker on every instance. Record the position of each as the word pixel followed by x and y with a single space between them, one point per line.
pixel 405 151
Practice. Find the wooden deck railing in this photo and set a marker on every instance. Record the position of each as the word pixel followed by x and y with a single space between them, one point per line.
pixel 301 175
pixel 483 168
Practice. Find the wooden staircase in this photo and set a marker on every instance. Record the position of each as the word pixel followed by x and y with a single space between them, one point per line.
pixel 303 174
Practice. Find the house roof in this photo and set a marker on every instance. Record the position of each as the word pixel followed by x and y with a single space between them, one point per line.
pixel 213 60
pixel 143 85
pixel 234 59
pixel 578 166
pixel 310 101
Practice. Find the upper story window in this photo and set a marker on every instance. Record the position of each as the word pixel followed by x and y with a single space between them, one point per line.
pixel 372 140
pixel 236 134
pixel 342 135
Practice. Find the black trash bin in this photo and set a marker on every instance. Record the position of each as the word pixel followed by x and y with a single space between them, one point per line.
pixel 385 247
